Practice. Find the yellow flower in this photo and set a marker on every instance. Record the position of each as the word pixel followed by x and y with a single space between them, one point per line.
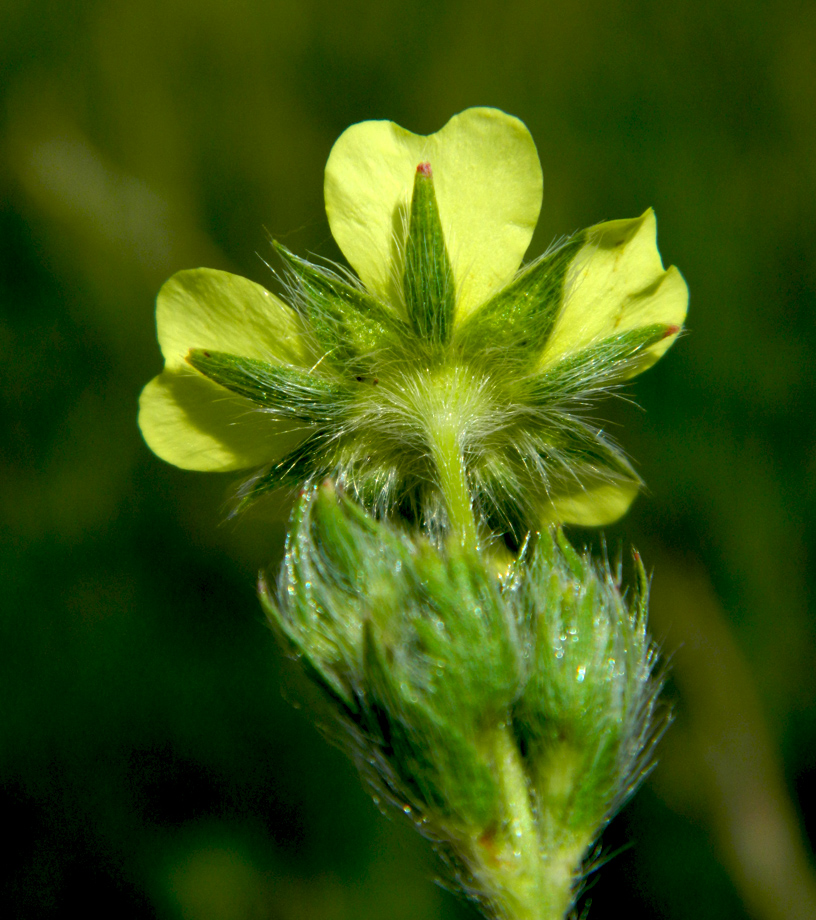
pixel 443 377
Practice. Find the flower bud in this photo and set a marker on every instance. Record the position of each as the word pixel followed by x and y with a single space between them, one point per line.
pixel 509 719
pixel 586 717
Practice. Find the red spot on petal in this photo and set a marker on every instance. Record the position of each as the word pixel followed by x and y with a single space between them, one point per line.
pixel 671 330
pixel 424 169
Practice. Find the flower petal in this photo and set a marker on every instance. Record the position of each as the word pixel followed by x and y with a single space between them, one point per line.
pixel 594 506
pixel 205 308
pixel 488 185
pixel 617 283
pixel 195 424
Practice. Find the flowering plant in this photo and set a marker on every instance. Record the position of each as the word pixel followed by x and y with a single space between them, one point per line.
pixel 441 376
pixel 424 407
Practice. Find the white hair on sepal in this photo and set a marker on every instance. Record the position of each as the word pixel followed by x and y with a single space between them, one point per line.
pixel 290 288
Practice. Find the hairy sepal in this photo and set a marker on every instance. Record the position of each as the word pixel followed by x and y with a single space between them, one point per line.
pixel 285 391
pixel 603 364
pixel 514 325
pixel 428 284
pixel 351 327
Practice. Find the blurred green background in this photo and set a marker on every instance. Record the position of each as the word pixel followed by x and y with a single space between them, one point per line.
pixel 152 764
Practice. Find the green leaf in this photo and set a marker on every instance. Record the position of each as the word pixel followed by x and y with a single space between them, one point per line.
pixel 428 282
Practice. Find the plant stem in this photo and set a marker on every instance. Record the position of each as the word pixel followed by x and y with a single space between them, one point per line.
pixel 450 465
pixel 530 879
pixel 522 881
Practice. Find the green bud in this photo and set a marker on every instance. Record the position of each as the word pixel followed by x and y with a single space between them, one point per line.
pixel 416 644
pixel 443 674
pixel 509 720
pixel 586 715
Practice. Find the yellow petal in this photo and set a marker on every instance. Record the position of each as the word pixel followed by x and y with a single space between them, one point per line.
pixel 617 283
pixel 593 506
pixel 488 184
pixel 195 424
pixel 205 308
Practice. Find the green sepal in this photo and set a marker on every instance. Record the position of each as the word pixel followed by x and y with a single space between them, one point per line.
pixel 350 326
pixel 428 283
pixel 309 657
pixel 558 543
pixel 497 484
pixel 323 454
pixel 312 460
pixel 444 672
pixel 434 752
pixel 608 361
pixel 514 325
pixel 330 574
pixel 303 619
pixel 546 465
pixel 571 450
pixel 289 393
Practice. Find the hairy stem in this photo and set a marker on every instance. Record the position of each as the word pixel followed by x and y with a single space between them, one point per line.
pixel 528 879
pixel 450 465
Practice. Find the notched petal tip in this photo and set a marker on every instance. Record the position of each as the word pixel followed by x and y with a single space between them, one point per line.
pixel 488 185
pixel 207 308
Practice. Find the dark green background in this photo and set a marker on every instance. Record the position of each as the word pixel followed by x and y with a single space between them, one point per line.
pixel 150 764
